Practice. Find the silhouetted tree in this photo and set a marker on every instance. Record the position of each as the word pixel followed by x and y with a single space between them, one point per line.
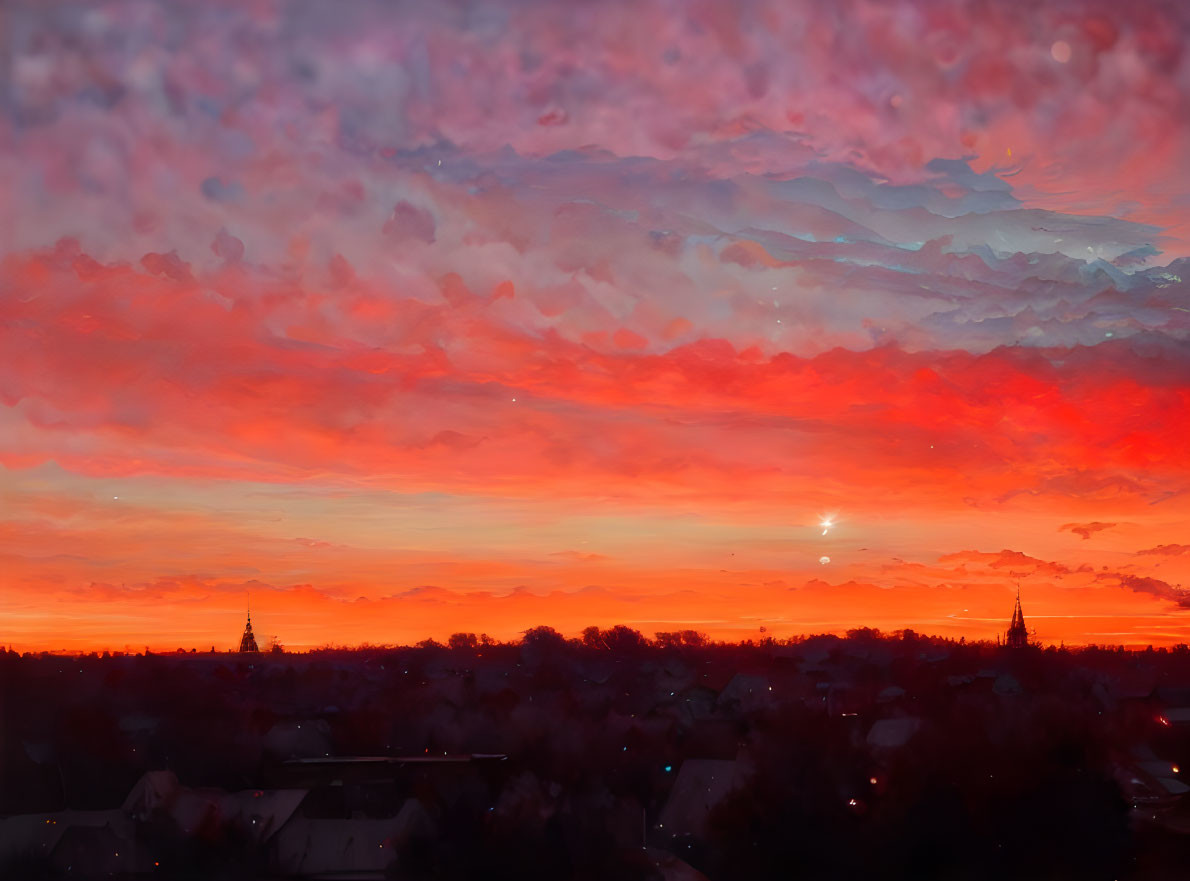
pixel 593 638
pixel 624 639
pixel 681 639
pixel 463 641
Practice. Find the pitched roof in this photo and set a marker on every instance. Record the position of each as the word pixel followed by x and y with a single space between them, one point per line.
pixel 40 834
pixel 260 813
pixel 700 786
pixel 357 848
pixel 892 733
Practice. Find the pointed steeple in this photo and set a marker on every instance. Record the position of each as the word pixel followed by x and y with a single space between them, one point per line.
pixel 248 640
pixel 1017 636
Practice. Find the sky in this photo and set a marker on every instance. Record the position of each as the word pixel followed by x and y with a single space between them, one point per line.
pixel 755 318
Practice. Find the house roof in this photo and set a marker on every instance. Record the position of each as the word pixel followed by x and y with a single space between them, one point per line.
pixel 671 868
pixel 892 733
pixel 356 848
pixel 101 850
pixel 398 760
pixel 701 784
pixel 40 834
pixel 744 685
pixel 154 790
pixel 260 812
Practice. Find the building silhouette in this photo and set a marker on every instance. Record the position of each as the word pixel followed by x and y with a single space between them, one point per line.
pixel 248 640
pixel 1017 636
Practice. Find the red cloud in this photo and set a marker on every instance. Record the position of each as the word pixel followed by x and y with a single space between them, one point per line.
pixel 1170 550
pixel 233 374
pixel 1012 560
pixel 1086 530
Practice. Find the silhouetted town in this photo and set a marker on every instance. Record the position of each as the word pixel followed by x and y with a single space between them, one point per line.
pixel 609 756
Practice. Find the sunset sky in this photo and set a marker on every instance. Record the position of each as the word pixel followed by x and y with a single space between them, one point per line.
pixel 410 319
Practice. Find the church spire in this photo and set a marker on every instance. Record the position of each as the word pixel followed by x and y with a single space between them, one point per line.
pixel 1018 636
pixel 248 640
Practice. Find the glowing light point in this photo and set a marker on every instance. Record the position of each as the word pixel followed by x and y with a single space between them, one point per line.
pixel 824 560
pixel 1060 51
pixel 827 523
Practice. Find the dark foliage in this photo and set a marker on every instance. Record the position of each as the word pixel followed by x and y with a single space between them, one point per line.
pixel 1010 768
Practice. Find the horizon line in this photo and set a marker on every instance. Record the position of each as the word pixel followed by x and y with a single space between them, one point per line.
pixel 648 643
